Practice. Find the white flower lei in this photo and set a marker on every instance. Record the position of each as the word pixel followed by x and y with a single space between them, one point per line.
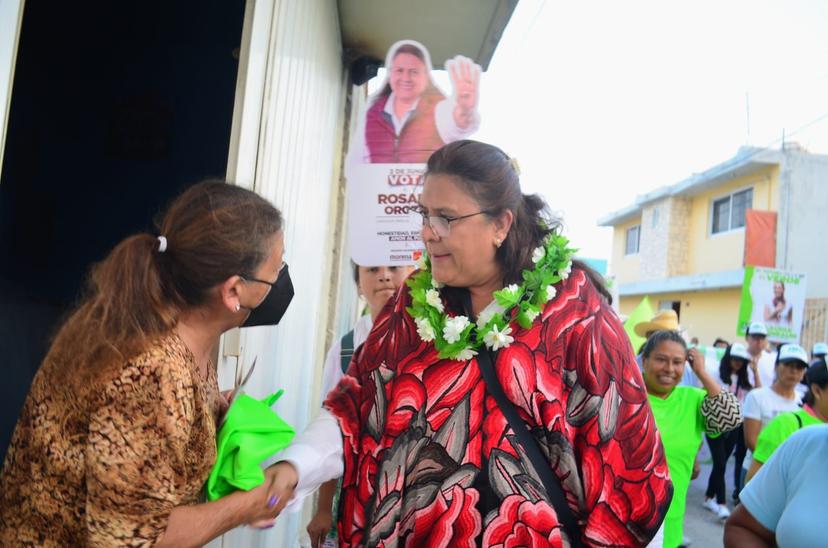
pixel 455 337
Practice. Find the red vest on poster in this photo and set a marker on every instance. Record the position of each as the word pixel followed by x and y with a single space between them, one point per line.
pixel 417 140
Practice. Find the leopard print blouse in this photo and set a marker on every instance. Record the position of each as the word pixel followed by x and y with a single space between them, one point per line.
pixel 107 469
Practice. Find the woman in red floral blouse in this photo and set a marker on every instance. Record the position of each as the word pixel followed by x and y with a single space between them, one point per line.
pixel 429 458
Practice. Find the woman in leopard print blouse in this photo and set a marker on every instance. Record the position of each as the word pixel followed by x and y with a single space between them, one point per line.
pixel 117 436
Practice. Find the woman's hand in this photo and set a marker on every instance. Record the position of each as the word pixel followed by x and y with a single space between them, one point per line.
pixel 696 360
pixel 224 404
pixel 465 79
pixel 319 526
pixel 280 481
pixel 262 505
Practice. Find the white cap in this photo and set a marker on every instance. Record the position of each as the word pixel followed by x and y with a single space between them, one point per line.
pixel 757 328
pixel 793 352
pixel 820 348
pixel 738 350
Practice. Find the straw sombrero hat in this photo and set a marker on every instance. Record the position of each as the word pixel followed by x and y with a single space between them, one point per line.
pixel 666 320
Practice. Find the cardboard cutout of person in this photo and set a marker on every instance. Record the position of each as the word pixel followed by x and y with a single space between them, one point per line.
pixel 411 117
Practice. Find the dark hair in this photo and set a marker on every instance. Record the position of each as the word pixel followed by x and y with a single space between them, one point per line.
pixel 818 375
pixel 641 347
pixel 213 230
pixel 721 340
pixel 777 300
pixel 776 361
pixel 355 269
pixel 486 173
pixel 659 337
pixel 725 370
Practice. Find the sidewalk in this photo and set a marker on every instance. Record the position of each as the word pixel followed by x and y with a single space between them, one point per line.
pixel 703 528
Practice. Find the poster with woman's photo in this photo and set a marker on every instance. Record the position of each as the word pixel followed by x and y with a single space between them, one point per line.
pixel 402 125
pixel 775 298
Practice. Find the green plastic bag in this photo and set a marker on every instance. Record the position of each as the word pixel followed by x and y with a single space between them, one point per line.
pixel 250 434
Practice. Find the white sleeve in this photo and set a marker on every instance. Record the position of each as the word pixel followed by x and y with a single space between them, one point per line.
pixel 317 456
pixel 751 408
pixel 332 372
pixel 447 128
pixel 767 369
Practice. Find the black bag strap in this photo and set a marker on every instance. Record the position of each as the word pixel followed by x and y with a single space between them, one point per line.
pixel 346 350
pixel 550 480
pixel 798 420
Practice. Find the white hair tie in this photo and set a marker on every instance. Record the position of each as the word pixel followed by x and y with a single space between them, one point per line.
pixel 162 244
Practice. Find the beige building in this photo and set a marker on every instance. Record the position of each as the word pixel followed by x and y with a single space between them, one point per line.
pixel 683 245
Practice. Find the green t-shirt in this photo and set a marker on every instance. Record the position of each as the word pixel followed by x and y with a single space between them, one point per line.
pixel 680 423
pixel 780 429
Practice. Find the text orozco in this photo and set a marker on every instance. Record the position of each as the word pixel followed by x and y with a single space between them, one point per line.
pixel 399 204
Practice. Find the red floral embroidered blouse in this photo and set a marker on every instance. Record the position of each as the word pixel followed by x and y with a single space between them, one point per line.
pixel 431 461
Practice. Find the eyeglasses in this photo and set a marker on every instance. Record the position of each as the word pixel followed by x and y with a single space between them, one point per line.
pixel 441 224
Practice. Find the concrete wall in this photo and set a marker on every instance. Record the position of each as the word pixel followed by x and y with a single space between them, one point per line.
pixel 664 242
pixel 678 250
pixel 655 233
pixel 803 220
pixel 704 314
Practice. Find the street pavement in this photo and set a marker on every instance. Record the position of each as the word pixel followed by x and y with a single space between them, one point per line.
pixel 701 526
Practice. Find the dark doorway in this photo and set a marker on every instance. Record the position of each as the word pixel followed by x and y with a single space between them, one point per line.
pixel 116 107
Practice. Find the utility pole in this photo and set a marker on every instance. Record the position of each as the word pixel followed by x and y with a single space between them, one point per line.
pixel 747 118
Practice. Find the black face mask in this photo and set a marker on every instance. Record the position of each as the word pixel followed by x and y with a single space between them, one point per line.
pixel 274 306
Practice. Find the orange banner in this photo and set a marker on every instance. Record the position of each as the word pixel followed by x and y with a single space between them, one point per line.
pixel 760 238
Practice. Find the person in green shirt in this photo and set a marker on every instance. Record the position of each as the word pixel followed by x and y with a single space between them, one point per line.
pixel 814 411
pixel 682 414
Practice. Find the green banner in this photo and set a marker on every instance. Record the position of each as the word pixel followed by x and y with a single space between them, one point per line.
pixel 642 313
pixel 746 304
pixel 775 298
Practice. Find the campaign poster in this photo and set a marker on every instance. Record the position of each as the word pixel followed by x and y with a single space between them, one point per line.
pixel 400 127
pixel 775 298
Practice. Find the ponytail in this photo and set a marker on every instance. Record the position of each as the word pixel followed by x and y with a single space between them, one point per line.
pixel 532 222
pixel 211 232
pixel 126 305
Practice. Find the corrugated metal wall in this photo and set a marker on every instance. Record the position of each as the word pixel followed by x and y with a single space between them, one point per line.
pixel 288 132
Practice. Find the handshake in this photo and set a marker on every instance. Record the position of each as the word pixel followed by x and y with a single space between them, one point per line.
pixel 259 507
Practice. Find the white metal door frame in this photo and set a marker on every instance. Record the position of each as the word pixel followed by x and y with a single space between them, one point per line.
pixel 11 20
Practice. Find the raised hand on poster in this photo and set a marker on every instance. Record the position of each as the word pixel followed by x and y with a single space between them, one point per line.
pixel 465 81
pixel 397 130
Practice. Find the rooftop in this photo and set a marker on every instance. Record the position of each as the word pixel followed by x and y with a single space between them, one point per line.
pixel 746 161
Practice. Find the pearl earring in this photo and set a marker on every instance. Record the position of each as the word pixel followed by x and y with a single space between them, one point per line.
pixel 238 307
pixel 498 242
